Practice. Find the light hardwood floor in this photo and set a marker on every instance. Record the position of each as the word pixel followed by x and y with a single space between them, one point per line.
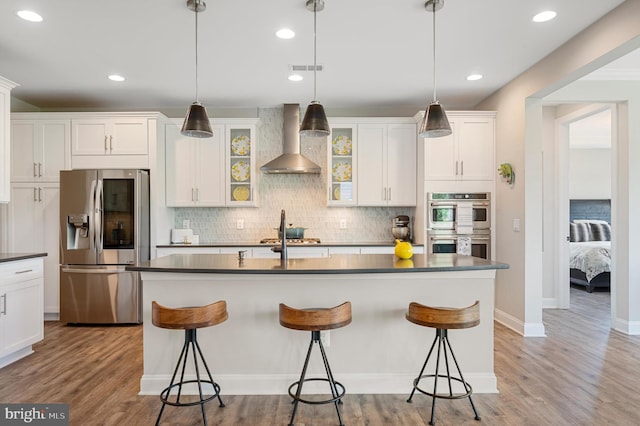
pixel 582 373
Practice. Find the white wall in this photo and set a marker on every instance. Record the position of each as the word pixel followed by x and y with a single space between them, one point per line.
pixel 590 174
pixel 519 141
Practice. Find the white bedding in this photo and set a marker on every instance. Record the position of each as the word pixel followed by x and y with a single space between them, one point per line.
pixel 592 257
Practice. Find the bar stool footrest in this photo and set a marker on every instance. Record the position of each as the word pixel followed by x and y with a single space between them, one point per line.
pixel 339 388
pixel 164 395
pixel 466 385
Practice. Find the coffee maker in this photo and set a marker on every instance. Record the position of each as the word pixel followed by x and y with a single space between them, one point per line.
pixel 400 228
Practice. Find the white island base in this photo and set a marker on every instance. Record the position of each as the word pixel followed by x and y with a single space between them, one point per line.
pixel 379 352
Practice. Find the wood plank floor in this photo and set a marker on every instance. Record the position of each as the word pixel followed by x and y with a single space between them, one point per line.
pixel 582 373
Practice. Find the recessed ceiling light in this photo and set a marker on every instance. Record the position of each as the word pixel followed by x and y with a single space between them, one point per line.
pixel 30 16
pixel 285 33
pixel 116 77
pixel 545 16
pixel 295 77
pixel 474 77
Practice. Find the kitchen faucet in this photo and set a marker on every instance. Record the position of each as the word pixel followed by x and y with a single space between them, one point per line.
pixel 282 233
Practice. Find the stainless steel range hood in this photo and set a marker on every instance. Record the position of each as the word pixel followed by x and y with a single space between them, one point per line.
pixel 291 161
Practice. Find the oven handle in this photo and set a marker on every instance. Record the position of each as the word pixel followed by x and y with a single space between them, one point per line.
pixel 454 204
pixel 455 238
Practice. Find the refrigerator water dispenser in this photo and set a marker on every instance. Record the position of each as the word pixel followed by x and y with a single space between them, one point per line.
pixel 77 231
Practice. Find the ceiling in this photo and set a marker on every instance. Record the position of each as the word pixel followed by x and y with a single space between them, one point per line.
pixel 375 53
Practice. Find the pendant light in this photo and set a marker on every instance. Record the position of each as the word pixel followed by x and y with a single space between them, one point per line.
pixel 435 122
pixel 196 123
pixel 315 121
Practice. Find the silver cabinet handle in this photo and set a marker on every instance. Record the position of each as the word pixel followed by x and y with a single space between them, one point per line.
pixel 106 147
pixel 389 193
pixel 39 194
pixel 193 194
pixel 4 304
pixel 461 167
pixel 35 195
pixel 197 194
pixel 35 173
pixel 40 169
pixel 456 167
pixel 24 272
pixel 111 143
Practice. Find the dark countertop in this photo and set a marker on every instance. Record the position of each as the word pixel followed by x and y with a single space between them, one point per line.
pixel 10 257
pixel 335 264
pixel 323 244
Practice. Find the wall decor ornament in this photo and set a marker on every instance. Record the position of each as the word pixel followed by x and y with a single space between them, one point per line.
pixel 506 172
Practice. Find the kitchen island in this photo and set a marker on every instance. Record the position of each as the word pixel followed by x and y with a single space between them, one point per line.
pixel 379 352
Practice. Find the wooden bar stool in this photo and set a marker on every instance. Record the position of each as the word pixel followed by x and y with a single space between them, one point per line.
pixel 316 320
pixel 443 319
pixel 189 320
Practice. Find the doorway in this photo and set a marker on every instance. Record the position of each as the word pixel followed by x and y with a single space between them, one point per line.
pixel 585 146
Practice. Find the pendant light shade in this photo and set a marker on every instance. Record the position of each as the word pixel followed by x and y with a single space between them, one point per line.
pixel 435 122
pixel 315 123
pixel 196 123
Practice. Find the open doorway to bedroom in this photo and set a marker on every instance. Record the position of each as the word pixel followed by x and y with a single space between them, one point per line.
pixel 585 137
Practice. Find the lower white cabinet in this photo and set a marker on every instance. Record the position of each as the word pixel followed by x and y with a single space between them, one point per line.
pixel 21 312
pixel 34 226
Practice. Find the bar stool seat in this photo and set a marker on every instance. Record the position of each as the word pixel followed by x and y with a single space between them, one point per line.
pixel 316 320
pixel 443 319
pixel 189 319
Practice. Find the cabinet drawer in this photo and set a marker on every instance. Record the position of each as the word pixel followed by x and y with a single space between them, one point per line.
pixel 20 270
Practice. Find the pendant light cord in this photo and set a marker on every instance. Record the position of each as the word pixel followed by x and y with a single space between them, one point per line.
pixel 315 67
pixel 196 12
pixel 434 51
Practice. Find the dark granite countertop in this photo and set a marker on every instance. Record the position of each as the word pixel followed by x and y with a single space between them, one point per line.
pixel 335 264
pixel 10 257
pixel 322 244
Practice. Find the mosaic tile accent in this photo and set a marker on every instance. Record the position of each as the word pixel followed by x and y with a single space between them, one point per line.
pixel 302 196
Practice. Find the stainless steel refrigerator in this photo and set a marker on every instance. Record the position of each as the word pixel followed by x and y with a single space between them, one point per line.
pixel 104 226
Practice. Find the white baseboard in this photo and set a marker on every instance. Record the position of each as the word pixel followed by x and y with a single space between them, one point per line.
pixel 279 384
pixel 550 303
pixel 527 330
pixel 13 357
pixel 632 328
pixel 52 316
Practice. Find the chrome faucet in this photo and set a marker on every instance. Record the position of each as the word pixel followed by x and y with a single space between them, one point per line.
pixel 282 233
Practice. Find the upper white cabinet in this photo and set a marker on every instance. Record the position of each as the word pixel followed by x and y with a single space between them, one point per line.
pixel 40 148
pixel 5 138
pixel 113 140
pixel 194 176
pixel 211 172
pixel 373 162
pixel 466 154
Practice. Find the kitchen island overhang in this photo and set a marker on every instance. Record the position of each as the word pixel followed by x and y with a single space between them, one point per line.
pixel 379 352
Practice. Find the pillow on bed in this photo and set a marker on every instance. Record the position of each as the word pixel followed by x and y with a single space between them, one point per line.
pixel 590 221
pixel 600 231
pixel 579 232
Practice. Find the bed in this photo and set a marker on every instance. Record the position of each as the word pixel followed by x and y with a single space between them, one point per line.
pixel 590 254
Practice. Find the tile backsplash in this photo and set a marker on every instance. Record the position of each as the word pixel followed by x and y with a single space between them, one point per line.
pixel 302 196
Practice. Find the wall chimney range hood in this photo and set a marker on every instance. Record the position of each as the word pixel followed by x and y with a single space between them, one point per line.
pixel 291 161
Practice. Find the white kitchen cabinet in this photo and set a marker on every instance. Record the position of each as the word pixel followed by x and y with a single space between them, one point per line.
pixel 342 176
pixel 33 226
pixel 111 141
pixel 467 154
pixel 386 165
pixel 373 162
pixel 167 251
pixel 21 312
pixel 5 138
pixel 40 148
pixel 293 252
pixel 194 169
pixel 241 177
pixel 211 172
pixel 344 250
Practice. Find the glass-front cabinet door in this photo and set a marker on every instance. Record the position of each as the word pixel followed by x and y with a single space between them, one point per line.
pixel 341 160
pixel 241 169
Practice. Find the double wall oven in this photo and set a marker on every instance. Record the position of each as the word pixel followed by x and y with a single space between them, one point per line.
pixel 459 223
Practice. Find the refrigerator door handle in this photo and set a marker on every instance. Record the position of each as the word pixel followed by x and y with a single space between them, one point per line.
pixel 99 216
pixel 115 270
